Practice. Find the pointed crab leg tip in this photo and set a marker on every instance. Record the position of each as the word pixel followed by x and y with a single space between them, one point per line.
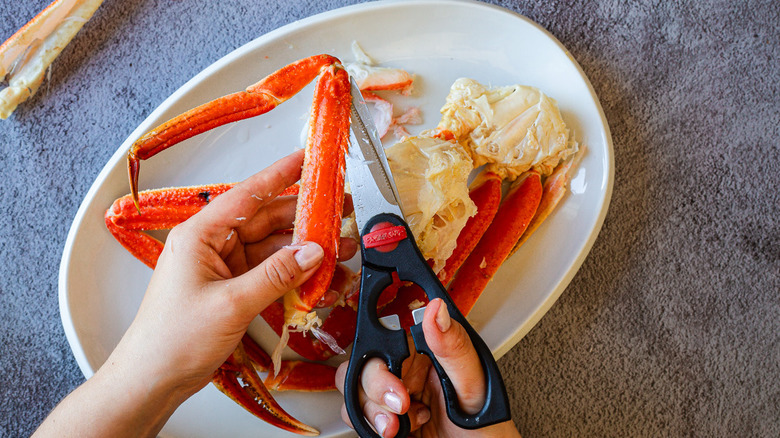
pixel 133 166
pixel 238 379
pixel 135 202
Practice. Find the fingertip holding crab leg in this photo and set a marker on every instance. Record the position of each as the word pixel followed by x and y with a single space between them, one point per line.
pixel 509 223
pixel 26 55
pixel 320 201
pixel 257 99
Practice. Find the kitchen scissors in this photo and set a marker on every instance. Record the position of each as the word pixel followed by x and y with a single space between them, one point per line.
pixel 387 246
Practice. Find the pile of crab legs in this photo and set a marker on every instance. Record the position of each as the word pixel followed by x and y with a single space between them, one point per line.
pixel 500 226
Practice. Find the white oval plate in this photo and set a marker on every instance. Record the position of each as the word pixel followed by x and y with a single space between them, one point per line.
pixel 101 285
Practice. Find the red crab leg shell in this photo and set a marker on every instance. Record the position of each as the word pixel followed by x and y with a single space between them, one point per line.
pixel 553 191
pixel 162 209
pixel 409 297
pixel 295 375
pixel 486 194
pixel 320 201
pixel 252 394
pixel 511 220
pixel 386 297
pixel 255 100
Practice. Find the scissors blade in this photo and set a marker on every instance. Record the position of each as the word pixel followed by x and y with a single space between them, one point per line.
pixel 370 179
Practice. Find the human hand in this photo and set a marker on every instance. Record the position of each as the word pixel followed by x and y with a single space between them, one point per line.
pixel 419 392
pixel 218 270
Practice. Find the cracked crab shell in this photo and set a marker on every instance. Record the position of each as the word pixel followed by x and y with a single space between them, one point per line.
pixel 431 175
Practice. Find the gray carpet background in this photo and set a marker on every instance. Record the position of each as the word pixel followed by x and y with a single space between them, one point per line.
pixel 671 326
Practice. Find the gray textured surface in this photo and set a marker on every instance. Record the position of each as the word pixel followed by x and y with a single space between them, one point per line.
pixel 671 326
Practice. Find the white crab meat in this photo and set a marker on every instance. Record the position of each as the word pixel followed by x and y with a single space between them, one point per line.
pixel 381 112
pixel 26 55
pixel 431 175
pixel 511 129
pixel 371 77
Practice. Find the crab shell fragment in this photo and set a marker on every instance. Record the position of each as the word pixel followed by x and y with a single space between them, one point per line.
pixel 28 53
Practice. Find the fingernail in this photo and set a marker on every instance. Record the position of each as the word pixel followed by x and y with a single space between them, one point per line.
pixel 423 415
pixel 443 318
pixel 309 255
pixel 380 422
pixel 392 401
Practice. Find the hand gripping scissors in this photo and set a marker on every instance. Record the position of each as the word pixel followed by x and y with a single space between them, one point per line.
pixel 387 246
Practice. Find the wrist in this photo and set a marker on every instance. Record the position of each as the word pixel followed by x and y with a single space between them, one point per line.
pixel 141 402
pixel 118 401
pixel 143 394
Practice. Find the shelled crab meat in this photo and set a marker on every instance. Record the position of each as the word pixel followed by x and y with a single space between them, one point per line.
pixel 27 54
pixel 516 132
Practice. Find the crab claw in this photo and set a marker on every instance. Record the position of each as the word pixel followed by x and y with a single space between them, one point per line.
pixel 238 379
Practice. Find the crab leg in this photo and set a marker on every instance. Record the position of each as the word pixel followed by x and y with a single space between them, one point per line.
pixel 553 191
pixel 295 375
pixel 238 379
pixel 162 209
pixel 255 100
pixel 511 220
pixel 486 194
pixel 26 55
pixel 320 201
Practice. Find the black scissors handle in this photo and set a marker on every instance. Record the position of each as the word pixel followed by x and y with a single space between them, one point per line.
pixel 388 246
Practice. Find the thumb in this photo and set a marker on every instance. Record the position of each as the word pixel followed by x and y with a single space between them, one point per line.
pixel 451 345
pixel 280 273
